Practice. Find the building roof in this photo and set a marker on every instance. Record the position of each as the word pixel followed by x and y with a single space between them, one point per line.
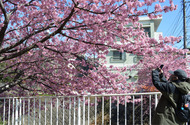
pixel 157 21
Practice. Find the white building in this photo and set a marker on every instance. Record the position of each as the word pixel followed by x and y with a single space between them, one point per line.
pixel 188 56
pixel 119 59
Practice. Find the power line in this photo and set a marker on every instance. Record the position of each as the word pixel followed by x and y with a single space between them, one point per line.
pixel 188 29
pixel 175 23
pixel 178 26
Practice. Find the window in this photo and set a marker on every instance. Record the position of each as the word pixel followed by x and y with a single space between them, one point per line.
pixel 136 59
pixel 117 55
pixel 147 30
pixel 118 38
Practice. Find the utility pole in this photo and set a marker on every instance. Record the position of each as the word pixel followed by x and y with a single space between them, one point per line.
pixel 184 25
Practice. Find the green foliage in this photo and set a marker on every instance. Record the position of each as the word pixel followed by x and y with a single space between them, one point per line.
pixel 1 122
pixel 4 78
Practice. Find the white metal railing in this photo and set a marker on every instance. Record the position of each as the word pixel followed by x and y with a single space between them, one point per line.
pixel 127 109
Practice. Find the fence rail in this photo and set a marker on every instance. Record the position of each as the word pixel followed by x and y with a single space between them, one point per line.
pixel 112 109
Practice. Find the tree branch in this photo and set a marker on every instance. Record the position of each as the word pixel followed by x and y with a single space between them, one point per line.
pixel 6 22
pixel 23 39
pixel 10 85
pixel 41 41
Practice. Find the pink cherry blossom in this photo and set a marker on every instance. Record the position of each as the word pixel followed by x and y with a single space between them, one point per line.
pixel 60 46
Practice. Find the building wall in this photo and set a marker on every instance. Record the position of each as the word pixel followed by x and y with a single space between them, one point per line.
pixel 188 56
pixel 127 59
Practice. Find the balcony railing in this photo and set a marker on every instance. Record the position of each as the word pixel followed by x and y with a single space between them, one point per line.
pixel 114 109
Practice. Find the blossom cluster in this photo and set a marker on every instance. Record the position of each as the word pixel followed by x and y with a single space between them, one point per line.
pixel 59 46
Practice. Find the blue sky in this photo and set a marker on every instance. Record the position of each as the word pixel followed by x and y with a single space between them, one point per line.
pixel 172 23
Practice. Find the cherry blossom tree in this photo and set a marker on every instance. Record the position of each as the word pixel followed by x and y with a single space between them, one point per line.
pixel 171 58
pixel 59 46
